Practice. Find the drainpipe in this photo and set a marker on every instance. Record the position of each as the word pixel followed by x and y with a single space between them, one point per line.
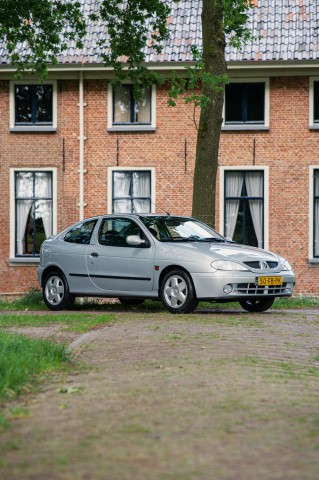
pixel 81 139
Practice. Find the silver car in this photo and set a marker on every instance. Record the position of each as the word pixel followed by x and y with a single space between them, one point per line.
pixel 177 259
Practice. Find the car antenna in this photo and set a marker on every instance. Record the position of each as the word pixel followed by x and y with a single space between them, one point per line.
pixel 160 208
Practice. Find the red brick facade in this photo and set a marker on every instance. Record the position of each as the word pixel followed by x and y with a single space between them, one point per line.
pixel 288 149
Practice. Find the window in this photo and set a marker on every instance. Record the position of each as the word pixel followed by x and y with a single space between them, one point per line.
pixel 126 113
pixel 113 232
pixel 314 103
pixel 246 105
pixel 81 233
pixel 127 110
pixel 33 211
pixel 33 106
pixel 131 191
pixel 244 207
pixel 316 213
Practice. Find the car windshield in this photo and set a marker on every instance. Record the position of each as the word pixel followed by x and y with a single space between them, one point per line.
pixel 179 229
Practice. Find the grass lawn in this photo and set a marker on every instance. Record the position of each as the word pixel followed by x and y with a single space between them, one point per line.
pixel 32 300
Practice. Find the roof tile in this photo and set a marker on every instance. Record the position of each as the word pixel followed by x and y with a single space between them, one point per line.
pixel 281 30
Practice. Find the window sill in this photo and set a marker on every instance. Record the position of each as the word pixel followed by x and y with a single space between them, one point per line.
pixel 227 128
pixel 18 261
pixel 313 261
pixel 131 128
pixel 315 126
pixel 35 129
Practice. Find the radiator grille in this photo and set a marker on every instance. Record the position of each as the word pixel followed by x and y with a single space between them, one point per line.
pixel 256 264
pixel 253 289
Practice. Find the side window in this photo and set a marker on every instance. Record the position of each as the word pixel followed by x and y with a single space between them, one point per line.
pixel 113 232
pixel 81 233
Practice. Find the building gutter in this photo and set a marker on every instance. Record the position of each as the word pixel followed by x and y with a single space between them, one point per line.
pixel 178 65
pixel 81 139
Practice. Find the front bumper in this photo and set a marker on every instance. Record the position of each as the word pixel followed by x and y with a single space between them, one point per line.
pixel 239 285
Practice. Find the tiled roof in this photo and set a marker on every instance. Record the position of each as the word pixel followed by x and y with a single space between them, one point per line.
pixel 283 30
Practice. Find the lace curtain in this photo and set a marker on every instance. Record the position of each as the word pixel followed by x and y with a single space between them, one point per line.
pixel 30 187
pixel 136 186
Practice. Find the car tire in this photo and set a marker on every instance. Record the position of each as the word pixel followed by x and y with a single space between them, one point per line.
pixel 56 293
pixel 177 292
pixel 257 305
pixel 127 301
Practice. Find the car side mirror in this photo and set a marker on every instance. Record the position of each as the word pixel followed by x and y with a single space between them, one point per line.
pixel 134 241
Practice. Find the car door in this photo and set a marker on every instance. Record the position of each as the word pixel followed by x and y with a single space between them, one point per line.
pixel 116 267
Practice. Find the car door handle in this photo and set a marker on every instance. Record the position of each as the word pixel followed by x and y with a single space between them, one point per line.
pixel 94 254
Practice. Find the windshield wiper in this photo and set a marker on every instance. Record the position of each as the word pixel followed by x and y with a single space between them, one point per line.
pixel 193 239
pixel 218 240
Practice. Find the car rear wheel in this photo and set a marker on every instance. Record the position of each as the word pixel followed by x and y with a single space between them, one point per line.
pixel 56 293
pixel 257 305
pixel 177 292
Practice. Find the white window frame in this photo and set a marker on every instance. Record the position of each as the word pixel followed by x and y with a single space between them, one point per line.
pixel 312 124
pixel 250 126
pixel 125 128
pixel 239 168
pixel 311 257
pixel 130 169
pixel 53 170
pixel 33 128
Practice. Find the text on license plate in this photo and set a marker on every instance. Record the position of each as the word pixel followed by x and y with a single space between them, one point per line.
pixel 268 281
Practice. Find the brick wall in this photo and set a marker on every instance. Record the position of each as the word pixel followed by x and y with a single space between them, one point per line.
pixel 288 148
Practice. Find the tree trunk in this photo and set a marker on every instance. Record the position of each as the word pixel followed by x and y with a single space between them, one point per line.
pixel 210 121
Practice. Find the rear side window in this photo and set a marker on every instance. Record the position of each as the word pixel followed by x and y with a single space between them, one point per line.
pixel 82 233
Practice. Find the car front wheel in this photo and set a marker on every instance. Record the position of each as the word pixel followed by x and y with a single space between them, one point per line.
pixel 177 292
pixel 257 305
pixel 56 293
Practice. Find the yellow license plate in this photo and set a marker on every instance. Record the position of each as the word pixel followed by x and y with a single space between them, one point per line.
pixel 268 281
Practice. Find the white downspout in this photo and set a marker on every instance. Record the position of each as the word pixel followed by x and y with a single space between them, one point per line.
pixel 81 139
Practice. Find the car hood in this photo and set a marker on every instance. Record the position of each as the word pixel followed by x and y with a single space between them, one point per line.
pixel 216 251
pixel 240 252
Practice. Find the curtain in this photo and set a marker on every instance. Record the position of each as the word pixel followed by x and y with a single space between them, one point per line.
pixel 23 209
pixel 43 209
pixel 122 104
pixel 142 112
pixel 234 185
pixel 46 214
pixel 122 184
pixel 141 188
pixel 141 206
pixel 122 206
pixel 135 186
pixel 141 184
pixel 254 186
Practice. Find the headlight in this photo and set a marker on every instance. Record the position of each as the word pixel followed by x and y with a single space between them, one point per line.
pixel 286 266
pixel 228 266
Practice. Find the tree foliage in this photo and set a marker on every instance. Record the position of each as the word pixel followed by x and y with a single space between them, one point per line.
pixel 133 26
pixel 41 30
